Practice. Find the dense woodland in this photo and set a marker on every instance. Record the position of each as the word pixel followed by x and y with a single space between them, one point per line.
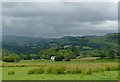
pixel 17 48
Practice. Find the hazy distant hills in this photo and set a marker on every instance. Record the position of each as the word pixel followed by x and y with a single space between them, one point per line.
pixel 28 45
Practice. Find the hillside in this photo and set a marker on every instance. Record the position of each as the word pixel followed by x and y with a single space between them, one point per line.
pixel 32 45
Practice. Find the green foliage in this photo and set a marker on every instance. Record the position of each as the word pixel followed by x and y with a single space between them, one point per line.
pixel 87 47
pixel 74 69
pixel 21 74
pixel 24 57
pixel 39 48
pixel 47 53
pixel 59 57
pixel 102 54
pixel 69 54
pixel 11 73
pixel 36 71
pixel 6 52
pixel 67 59
pixel 53 69
pixel 11 58
pixel 76 50
pixel 118 50
pixel 28 57
pixel 60 53
pixel 0 56
pixel 112 54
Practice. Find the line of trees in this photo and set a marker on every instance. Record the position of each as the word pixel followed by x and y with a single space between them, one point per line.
pixel 111 54
pixel 61 54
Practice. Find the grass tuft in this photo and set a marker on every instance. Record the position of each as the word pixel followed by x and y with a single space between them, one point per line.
pixel 11 73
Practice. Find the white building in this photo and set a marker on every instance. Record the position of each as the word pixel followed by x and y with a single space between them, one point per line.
pixel 67 46
pixel 53 57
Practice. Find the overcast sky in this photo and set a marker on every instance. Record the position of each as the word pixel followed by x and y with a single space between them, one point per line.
pixel 59 19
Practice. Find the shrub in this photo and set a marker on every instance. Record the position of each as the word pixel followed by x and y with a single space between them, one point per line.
pixel 112 54
pixel 102 54
pixel 11 73
pixel 11 58
pixel 68 59
pixel 59 58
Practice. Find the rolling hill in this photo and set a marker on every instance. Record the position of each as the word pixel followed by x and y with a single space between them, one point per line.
pixel 32 45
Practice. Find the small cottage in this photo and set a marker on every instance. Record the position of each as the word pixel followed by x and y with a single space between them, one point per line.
pixel 53 57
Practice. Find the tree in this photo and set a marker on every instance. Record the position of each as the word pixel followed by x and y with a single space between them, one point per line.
pixel 23 57
pixel 102 55
pixel 59 58
pixel 60 55
pixel 118 53
pixel 46 54
pixel 69 54
pixel 112 54
pixel 0 56
pixel 11 58
pixel 75 50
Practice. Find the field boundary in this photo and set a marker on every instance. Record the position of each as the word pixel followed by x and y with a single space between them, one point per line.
pixel 60 81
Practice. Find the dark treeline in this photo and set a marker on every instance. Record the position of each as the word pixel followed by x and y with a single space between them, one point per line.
pixel 61 54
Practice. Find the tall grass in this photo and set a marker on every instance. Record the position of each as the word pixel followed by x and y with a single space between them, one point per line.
pixel 86 69
pixel 24 65
pixel 54 69
pixel 36 71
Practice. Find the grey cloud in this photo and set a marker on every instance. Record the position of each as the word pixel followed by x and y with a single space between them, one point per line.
pixel 83 11
pixel 59 19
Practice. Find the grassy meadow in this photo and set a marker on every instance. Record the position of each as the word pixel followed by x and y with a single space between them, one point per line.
pixel 0 73
pixel 77 69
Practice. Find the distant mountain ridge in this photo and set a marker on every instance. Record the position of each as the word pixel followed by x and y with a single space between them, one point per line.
pixel 30 45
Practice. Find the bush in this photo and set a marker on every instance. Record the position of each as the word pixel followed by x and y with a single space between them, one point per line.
pixel 11 73
pixel 102 55
pixel 11 58
pixel 68 59
pixel 112 54
pixel 59 58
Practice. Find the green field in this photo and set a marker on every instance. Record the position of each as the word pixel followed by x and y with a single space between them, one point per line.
pixel 0 73
pixel 21 74
pixel 22 68
pixel 74 61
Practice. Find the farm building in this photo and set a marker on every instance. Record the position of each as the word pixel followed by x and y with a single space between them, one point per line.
pixel 53 57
